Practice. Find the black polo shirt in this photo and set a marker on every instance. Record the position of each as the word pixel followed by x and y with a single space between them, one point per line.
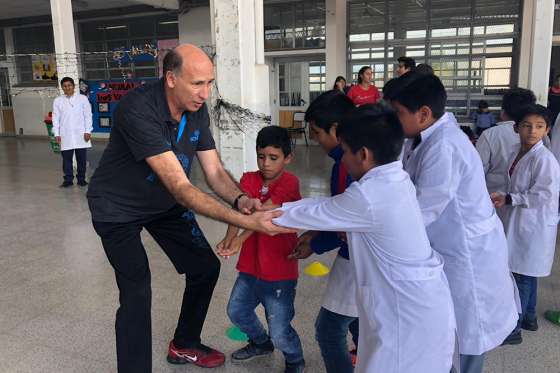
pixel 124 188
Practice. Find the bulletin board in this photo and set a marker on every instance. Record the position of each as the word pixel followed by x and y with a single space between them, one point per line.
pixel 104 96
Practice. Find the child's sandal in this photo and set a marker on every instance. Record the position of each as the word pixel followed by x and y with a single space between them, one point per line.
pixel 553 316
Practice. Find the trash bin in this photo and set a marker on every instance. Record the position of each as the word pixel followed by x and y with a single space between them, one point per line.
pixel 48 122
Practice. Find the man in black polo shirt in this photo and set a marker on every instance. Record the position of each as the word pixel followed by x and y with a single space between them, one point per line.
pixel 142 182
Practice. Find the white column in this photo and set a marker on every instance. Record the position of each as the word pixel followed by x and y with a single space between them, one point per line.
pixel 336 48
pixel 64 39
pixel 195 27
pixel 10 50
pixel 241 75
pixel 536 47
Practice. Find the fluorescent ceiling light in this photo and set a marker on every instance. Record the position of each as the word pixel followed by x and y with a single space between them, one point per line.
pixel 168 22
pixel 114 27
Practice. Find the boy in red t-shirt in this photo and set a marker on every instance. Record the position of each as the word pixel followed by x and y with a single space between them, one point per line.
pixel 266 275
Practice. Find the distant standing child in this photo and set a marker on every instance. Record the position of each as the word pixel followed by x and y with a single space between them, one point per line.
pixel 404 304
pixel 266 275
pixel 531 209
pixel 483 118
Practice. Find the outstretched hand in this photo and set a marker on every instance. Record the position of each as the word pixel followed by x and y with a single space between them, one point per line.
pixel 498 199
pixel 262 222
pixel 248 205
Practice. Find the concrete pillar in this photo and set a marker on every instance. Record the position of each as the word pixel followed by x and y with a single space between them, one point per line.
pixel 536 47
pixel 195 26
pixel 64 39
pixel 242 77
pixel 336 46
pixel 10 50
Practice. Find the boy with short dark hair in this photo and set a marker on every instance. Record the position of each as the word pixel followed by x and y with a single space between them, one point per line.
pixel 483 118
pixel 531 210
pixel 339 312
pixel 266 275
pixel 404 304
pixel 459 217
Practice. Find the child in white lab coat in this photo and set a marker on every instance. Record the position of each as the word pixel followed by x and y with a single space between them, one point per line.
pixel 531 209
pixel 404 302
pixel 459 217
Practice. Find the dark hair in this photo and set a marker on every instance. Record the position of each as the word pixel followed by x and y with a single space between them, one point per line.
pixel 388 88
pixel 275 136
pixel 361 72
pixel 408 62
pixel 67 79
pixel 172 62
pixel 482 104
pixel 533 109
pixel 516 98
pixel 424 68
pixel 338 79
pixel 414 90
pixel 374 127
pixel 328 108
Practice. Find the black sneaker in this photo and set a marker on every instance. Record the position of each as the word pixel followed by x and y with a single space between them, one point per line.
pixel 251 351
pixel 514 338
pixel 530 325
pixel 66 184
pixel 295 367
pixel 82 183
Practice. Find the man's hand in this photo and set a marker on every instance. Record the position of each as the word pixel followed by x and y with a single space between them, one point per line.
pixel 248 205
pixel 302 251
pixel 261 221
pixel 498 199
pixel 87 137
pixel 57 139
pixel 230 248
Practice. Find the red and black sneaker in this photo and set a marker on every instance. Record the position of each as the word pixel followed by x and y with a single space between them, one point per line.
pixel 201 355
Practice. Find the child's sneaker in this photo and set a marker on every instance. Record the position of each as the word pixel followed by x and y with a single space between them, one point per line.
pixel 251 351
pixel 530 325
pixel 514 338
pixel 201 355
pixel 295 367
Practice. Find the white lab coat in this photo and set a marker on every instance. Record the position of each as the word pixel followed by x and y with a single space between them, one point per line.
pixel 496 146
pixel 71 120
pixel 340 296
pixel 463 228
pixel 555 139
pixel 404 303
pixel 532 218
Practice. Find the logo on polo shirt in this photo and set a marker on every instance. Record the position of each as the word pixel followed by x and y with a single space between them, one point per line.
pixel 195 136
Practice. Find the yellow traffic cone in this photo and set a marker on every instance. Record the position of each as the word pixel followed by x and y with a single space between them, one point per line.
pixel 316 269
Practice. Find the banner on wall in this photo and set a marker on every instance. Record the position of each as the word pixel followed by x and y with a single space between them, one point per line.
pixel 104 96
pixel 44 68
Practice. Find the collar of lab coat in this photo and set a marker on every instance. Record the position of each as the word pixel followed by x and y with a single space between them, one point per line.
pixel 506 122
pixel 438 123
pixel 382 170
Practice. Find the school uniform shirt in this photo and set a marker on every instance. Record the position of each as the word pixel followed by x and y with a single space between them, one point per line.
pixel 360 96
pixel 483 119
pixel 340 296
pixel 262 256
pixel 71 118
pixel 463 228
pixel 532 218
pixel 404 303
pixel 555 139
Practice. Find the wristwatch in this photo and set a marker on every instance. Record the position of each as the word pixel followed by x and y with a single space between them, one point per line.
pixel 508 199
pixel 235 203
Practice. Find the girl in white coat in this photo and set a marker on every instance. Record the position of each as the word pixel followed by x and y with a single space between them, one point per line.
pixel 404 302
pixel 531 209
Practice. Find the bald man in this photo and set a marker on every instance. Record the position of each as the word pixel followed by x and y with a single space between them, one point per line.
pixel 143 182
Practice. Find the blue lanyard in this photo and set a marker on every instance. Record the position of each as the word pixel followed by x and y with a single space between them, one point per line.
pixel 182 127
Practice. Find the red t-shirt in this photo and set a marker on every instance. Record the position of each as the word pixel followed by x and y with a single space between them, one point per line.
pixel 359 96
pixel 264 256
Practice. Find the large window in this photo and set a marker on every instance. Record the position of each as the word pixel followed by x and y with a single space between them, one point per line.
pixel 294 25
pixel 470 44
pixel 38 43
pixel 317 77
pixel 115 49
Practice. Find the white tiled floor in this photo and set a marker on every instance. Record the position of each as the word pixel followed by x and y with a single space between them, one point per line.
pixel 58 295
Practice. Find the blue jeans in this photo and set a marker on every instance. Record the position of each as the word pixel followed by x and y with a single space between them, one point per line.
pixel 277 298
pixel 527 286
pixel 331 330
